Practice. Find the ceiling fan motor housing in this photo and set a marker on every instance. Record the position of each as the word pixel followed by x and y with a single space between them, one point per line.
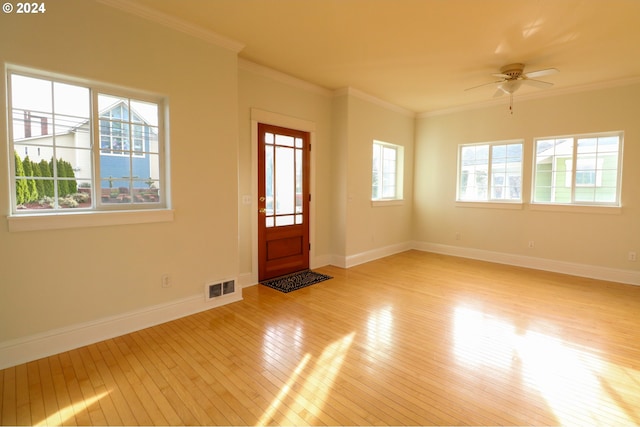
pixel 513 70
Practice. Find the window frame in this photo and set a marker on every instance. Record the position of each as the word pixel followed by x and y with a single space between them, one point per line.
pixel 99 213
pixel 490 201
pixel 570 172
pixel 398 196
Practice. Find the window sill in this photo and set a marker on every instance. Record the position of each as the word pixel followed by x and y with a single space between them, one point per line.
pixel 17 223
pixel 610 210
pixel 490 205
pixel 391 202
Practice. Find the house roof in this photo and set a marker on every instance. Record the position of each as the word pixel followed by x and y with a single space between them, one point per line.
pixel 70 125
pixel 563 147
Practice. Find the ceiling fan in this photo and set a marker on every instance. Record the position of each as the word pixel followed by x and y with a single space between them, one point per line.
pixel 512 76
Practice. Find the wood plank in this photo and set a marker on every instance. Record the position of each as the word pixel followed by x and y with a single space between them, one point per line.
pixel 23 407
pixel 8 398
pixel 60 390
pixel 415 338
pixel 145 407
pixel 52 410
pixel 36 398
pixel 73 377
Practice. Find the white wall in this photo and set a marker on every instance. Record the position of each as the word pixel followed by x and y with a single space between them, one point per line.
pixel 59 278
pixel 293 101
pixel 369 231
pixel 592 238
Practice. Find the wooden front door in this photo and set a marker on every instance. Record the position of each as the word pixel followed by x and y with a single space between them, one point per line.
pixel 283 201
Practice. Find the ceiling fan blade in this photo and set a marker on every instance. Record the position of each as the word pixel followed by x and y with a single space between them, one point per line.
pixel 540 73
pixel 537 83
pixel 499 92
pixel 501 75
pixel 485 84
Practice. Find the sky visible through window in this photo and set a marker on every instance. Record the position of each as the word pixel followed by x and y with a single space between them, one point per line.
pixel 70 103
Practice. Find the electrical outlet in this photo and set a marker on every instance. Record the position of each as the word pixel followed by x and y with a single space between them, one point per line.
pixel 457 236
pixel 166 281
pixel 532 244
pixel 632 256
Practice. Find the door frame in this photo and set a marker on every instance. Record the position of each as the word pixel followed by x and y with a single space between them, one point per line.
pixel 276 119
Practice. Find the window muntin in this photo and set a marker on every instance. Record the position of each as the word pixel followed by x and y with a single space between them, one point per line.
pixel 583 170
pixel 490 172
pixel 58 168
pixel 387 172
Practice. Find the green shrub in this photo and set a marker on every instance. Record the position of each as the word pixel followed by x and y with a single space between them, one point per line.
pixel 22 188
pixel 35 167
pixel 32 189
pixel 45 172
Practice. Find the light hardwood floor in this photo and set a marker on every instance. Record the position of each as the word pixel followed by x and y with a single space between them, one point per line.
pixel 414 338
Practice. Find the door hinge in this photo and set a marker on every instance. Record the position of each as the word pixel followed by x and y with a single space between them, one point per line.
pixel 309 197
pixel 309 246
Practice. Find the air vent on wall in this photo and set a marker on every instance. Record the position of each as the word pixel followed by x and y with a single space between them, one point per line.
pixel 218 289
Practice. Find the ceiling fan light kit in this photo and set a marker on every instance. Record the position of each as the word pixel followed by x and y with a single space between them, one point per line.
pixel 512 76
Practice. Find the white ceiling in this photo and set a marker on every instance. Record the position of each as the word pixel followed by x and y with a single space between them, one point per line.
pixel 422 54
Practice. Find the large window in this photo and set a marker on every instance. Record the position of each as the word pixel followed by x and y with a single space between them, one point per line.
pixel 387 171
pixel 490 172
pixel 79 147
pixel 581 170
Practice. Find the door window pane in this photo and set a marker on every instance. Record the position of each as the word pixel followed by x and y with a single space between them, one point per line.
pixel 285 185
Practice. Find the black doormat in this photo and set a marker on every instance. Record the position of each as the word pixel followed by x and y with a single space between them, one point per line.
pixel 294 281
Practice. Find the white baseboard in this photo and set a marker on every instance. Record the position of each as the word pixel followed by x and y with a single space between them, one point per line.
pixel 23 350
pixel 321 261
pixel 247 279
pixel 630 277
pixel 371 255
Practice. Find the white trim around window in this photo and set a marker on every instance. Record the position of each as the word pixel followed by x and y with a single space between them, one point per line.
pixel 59 177
pixel 87 219
pixel 490 174
pixel 387 174
pixel 582 171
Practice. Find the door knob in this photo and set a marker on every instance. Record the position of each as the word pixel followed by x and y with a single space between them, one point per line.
pixel 262 199
pixel 262 210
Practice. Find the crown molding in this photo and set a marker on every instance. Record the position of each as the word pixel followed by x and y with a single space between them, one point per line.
pixel 549 93
pixel 279 76
pixel 356 93
pixel 175 23
pixel 303 84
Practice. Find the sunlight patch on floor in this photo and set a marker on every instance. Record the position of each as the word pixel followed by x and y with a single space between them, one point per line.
pixel 284 391
pixel 307 400
pixel 574 383
pixel 380 330
pixel 65 414
pixel 318 384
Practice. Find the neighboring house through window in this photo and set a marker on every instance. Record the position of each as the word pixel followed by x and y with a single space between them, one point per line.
pixel 490 172
pixel 57 165
pixel 582 170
